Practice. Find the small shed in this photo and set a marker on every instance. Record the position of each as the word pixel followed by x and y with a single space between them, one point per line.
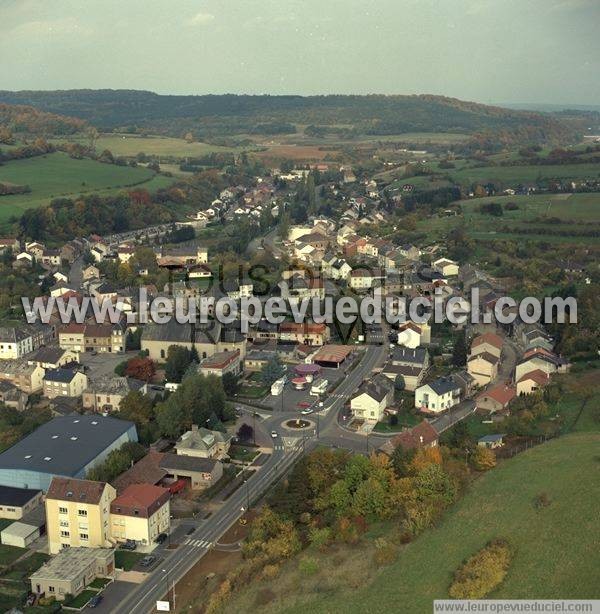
pixel 491 441
pixel 19 534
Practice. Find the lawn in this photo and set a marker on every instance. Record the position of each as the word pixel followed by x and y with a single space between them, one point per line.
pixel 99 583
pixel 243 453
pixel 81 599
pixel 556 547
pixel 26 567
pixel 9 554
pixel 57 175
pixel 130 145
pixel 126 559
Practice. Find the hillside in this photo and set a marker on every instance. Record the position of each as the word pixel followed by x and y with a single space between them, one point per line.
pixel 29 121
pixel 556 547
pixel 232 114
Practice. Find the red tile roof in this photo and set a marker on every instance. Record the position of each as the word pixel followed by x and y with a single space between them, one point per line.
pixel 140 496
pixel 72 489
pixel 538 376
pixel 423 434
pixel 501 393
pixel 490 338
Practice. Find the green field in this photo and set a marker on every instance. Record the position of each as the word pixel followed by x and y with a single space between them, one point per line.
pixel 57 175
pixel 130 145
pixel 569 208
pixel 557 554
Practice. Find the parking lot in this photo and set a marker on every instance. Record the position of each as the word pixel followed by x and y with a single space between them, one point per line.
pixel 293 401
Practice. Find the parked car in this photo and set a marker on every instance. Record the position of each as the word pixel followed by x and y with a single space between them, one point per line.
pixel 94 601
pixel 160 538
pixel 274 434
pixel 147 561
pixel 308 410
pixel 129 545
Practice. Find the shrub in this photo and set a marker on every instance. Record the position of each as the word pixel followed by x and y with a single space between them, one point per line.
pixel 320 537
pixel 385 552
pixel 264 597
pixel 483 572
pixel 541 501
pixel 269 572
pixel 484 459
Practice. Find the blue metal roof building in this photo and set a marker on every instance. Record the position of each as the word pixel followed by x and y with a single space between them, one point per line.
pixel 66 446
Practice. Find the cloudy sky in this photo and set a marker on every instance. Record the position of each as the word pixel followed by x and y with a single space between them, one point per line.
pixel 485 50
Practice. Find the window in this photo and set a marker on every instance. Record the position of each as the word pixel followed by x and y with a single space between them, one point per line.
pixel 64 523
pixel 63 510
pixel 83 536
pixel 82 512
pixel 50 589
pixel 65 534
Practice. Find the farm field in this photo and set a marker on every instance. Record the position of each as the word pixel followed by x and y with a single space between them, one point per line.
pixel 129 145
pixel 556 556
pixel 571 209
pixel 57 175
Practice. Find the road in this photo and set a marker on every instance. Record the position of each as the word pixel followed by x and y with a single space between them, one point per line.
pixel 141 598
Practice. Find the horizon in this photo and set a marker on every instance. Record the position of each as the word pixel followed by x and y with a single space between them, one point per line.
pixel 466 49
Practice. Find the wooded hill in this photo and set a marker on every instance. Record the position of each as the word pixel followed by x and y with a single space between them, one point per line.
pixel 213 115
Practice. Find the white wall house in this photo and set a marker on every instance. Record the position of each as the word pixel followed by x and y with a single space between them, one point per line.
pixel 437 396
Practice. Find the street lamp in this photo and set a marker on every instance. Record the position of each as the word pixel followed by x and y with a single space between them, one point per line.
pixel 321 404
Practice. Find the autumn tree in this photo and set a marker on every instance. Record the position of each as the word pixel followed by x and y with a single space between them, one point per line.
pixel 484 459
pixel 141 368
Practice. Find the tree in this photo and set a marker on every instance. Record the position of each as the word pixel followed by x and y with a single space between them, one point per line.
pixel 230 383
pixel 401 460
pixel 460 352
pixel 484 459
pixel 136 407
pixel 178 360
pixel 272 370
pixel 141 368
pixel 245 432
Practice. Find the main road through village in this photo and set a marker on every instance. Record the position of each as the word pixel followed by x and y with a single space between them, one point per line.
pixel 122 597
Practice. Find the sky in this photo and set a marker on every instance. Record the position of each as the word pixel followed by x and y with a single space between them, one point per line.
pixel 519 51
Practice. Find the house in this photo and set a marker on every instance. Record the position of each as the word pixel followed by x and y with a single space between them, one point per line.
pixel 491 441
pixel 52 357
pixel 409 251
pixel 64 382
pixel 447 267
pixel 14 343
pixel 18 502
pixel 488 342
pixel 483 367
pixel 125 253
pixel 539 358
pixel 26 377
pixel 140 513
pixel 92 338
pixel 532 381
pixel 67 446
pixel 437 396
pixel 466 382
pixel 183 256
pixel 365 279
pixel 221 363
pixel 411 357
pixel 256 359
pixel 12 396
pixel 9 243
pixel 105 394
pixel 203 443
pixel 372 398
pixel 24 532
pixel 71 570
pixel 91 272
pixel 78 514
pixel 302 287
pixel 496 398
pixel 423 435
pixel 405 377
pixel 202 472
pixel 308 333
pixel 413 335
